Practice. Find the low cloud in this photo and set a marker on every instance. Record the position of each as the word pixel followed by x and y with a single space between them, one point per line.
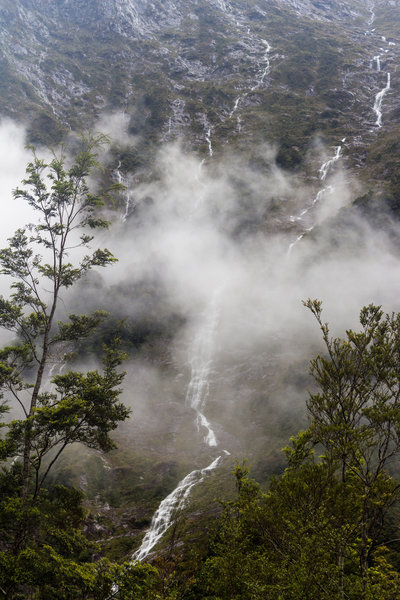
pixel 209 244
pixel 14 158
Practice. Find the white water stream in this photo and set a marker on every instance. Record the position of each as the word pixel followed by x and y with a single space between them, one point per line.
pixel 168 508
pixel 316 200
pixel 126 194
pixel 209 143
pixel 236 104
pixel 323 172
pixel 263 71
pixel 264 68
pixel 377 59
pixel 201 355
pixel 372 17
pixel 377 107
pixel 210 151
pixel 325 168
pixel 49 386
pixel 378 102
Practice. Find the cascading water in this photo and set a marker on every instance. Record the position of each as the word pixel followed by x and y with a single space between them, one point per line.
pixel 325 168
pixel 207 131
pixel 378 102
pixel 126 194
pixel 299 237
pixel 377 107
pixel 209 144
pixel 201 353
pixel 201 359
pixel 263 71
pixel 168 508
pixel 377 59
pixel 49 386
pixel 317 199
pixel 236 104
pixel 323 173
pixel 208 139
pixel 372 17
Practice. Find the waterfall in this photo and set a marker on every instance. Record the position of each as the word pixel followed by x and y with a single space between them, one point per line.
pixel 263 71
pixel 163 518
pixel 201 352
pixel 377 107
pixel 208 140
pixel 322 173
pixel 292 245
pixel 317 198
pixel 49 386
pixel 207 131
pixel 236 105
pixel 264 68
pixel 126 194
pixel 377 59
pixel 325 168
pixel 372 13
pixel 378 102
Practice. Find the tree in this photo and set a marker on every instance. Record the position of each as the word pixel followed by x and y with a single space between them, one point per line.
pixel 43 259
pixel 318 532
pixel 284 544
pixel 355 414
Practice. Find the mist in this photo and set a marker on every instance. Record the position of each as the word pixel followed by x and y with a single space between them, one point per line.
pixel 14 158
pixel 193 231
pixel 204 255
pixel 218 234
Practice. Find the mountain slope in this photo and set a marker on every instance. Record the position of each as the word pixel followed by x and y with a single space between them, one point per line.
pixel 248 126
pixel 184 65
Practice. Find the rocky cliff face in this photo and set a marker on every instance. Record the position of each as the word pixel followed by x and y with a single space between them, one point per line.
pixel 66 61
pixel 200 69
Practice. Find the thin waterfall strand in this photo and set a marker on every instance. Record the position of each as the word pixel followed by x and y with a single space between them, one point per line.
pixel 163 518
pixel 378 102
pixel 201 353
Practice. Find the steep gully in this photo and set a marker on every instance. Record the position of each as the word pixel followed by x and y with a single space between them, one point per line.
pixel 328 166
pixel 201 354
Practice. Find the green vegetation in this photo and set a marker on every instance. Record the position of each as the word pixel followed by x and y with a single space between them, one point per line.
pixel 43 552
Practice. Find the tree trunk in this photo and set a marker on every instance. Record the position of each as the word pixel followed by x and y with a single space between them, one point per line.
pixel 364 559
pixel 341 572
pixel 38 383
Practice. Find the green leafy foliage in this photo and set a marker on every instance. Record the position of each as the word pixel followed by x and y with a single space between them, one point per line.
pixel 44 552
pixel 319 531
